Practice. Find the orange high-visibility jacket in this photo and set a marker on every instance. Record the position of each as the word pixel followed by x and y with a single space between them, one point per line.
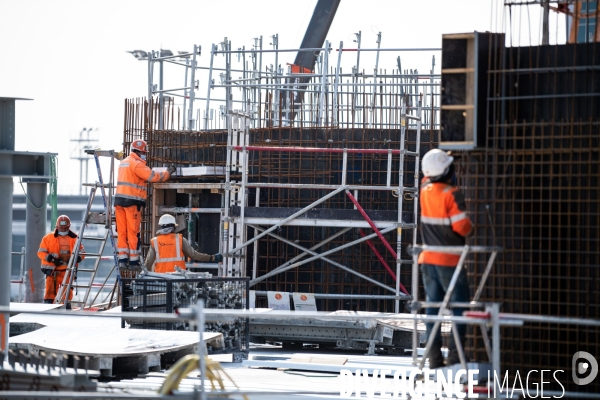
pixel 60 247
pixel 169 252
pixel 132 181
pixel 444 221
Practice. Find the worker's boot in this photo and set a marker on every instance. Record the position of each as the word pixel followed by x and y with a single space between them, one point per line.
pixel 436 359
pixel 123 264
pixel 453 357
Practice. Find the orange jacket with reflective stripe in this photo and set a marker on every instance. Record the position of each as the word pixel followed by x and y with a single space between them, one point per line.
pixel 169 252
pixel 132 181
pixel 444 221
pixel 60 247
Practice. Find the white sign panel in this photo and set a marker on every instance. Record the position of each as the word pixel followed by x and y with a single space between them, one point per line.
pixel 278 300
pixel 304 302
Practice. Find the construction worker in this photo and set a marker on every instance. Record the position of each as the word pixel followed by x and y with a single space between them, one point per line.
pixel 130 197
pixel 444 222
pixel 169 249
pixel 55 251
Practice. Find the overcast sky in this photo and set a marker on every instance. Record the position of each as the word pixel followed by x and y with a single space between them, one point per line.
pixel 71 57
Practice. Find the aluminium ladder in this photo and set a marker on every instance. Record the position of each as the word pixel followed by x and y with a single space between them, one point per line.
pixel 106 219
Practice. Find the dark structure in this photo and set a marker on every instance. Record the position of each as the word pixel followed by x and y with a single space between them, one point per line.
pixel 533 188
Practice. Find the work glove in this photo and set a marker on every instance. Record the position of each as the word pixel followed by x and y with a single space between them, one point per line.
pixel 79 259
pixel 47 271
pixel 51 259
pixel 171 169
pixel 217 258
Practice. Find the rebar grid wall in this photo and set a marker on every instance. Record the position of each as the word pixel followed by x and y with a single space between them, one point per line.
pixel 188 148
pixel 539 177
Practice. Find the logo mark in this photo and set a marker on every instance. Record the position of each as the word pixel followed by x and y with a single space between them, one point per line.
pixel 580 368
pixel 278 296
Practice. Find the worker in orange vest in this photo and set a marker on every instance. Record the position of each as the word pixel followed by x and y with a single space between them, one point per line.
pixel 444 222
pixel 169 249
pixel 55 251
pixel 130 197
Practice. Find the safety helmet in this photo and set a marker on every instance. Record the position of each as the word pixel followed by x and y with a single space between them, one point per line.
pixel 436 163
pixel 167 219
pixel 63 222
pixel 139 145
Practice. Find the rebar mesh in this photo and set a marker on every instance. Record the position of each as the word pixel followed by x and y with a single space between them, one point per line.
pixel 534 190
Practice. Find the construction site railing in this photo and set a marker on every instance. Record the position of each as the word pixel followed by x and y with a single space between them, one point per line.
pixel 200 316
pixel 463 251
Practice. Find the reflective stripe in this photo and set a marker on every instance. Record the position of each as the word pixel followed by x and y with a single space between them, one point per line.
pixel 436 221
pixel 151 176
pixel 120 249
pixel 134 258
pixel 447 189
pixel 163 176
pixel 458 217
pixel 132 251
pixel 123 164
pixel 41 249
pixel 177 249
pixel 170 259
pixel 132 185
pixel 65 252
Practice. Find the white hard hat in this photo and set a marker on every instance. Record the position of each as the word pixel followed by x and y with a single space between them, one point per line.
pixel 167 219
pixel 435 163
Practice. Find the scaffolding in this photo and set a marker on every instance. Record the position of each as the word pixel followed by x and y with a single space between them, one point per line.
pixel 254 82
pixel 350 145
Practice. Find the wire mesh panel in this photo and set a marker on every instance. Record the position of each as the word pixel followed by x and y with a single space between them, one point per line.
pixel 166 295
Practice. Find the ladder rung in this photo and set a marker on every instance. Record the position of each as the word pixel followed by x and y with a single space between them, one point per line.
pixel 80 286
pixel 92 238
pixel 411 153
pixel 85 270
pixel 92 254
pixel 76 301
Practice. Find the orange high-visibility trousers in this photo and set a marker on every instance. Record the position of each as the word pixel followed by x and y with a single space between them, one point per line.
pixel 53 284
pixel 128 221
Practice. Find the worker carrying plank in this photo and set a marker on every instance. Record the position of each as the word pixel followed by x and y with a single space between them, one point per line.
pixel 55 251
pixel 130 198
pixel 169 249
pixel 444 222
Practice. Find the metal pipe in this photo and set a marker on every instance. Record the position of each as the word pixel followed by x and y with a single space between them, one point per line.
pixel 335 86
pixel 301 255
pixel 371 223
pixel 188 210
pixel 6 198
pixel 344 296
pixel 35 223
pixel 316 150
pixel 212 57
pixel 21 274
pixel 191 125
pixel 297 264
pixel 291 217
pixel 341 266
pixel 316 49
pixel 381 259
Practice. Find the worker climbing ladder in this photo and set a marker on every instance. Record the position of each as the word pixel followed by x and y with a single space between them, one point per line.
pixel 105 218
